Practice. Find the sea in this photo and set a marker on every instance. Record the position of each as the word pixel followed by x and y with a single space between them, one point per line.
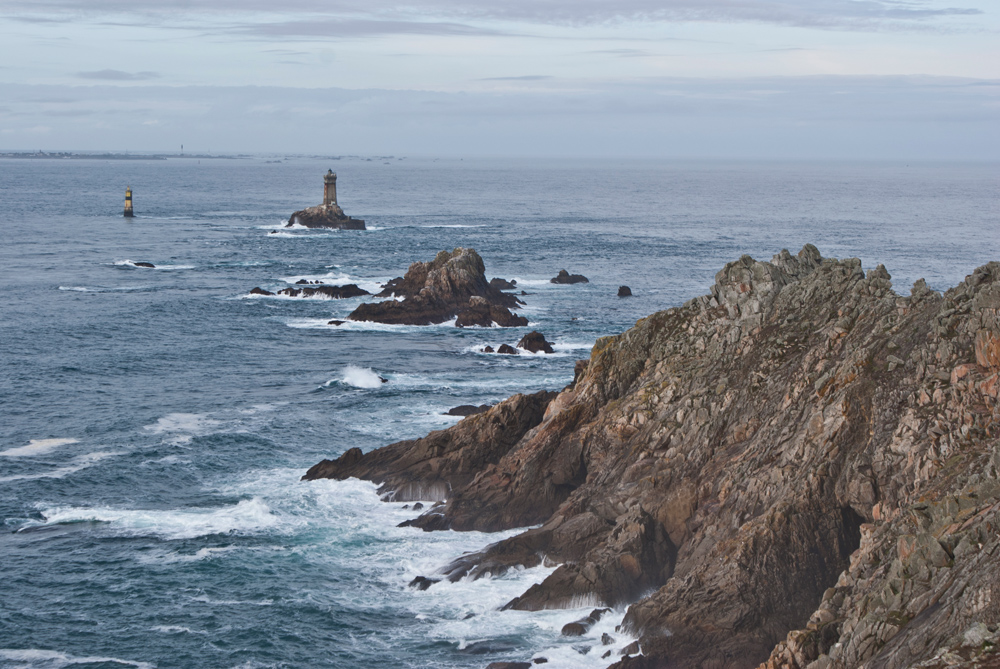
pixel 155 422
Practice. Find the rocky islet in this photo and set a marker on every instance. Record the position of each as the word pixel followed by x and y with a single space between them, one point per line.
pixel 800 469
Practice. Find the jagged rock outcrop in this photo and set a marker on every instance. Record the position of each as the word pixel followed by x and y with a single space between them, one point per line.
pixel 453 285
pixel 328 215
pixel 429 468
pixel 801 469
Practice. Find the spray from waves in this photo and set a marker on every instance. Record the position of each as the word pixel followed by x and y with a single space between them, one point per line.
pixel 75 465
pixel 37 447
pixel 246 517
pixel 466 614
pixel 361 377
pixel 51 659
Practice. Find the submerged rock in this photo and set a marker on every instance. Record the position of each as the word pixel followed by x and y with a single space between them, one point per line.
pixel 261 291
pixel 331 292
pixel 145 264
pixel 452 285
pixel 624 291
pixel 800 468
pixel 566 277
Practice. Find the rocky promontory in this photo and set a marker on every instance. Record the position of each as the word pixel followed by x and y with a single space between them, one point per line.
pixel 453 285
pixel 799 469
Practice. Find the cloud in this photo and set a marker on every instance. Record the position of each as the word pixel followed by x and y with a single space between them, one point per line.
pixel 526 77
pixel 118 75
pixel 346 18
pixel 356 28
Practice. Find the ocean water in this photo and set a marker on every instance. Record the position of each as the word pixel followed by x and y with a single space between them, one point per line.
pixel 154 423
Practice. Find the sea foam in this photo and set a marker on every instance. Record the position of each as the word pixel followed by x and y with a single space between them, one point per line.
pixel 37 447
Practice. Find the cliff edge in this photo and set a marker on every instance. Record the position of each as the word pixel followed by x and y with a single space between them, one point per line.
pixel 800 469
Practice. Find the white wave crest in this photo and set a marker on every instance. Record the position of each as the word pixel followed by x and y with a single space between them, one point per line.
pixel 75 465
pixel 247 516
pixel 361 377
pixel 37 447
pixel 52 659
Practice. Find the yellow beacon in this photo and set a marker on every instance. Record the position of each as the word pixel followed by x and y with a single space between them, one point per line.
pixel 128 202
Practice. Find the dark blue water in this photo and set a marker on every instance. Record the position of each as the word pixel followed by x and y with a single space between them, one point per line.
pixel 154 422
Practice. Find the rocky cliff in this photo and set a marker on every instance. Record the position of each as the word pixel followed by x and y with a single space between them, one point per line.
pixel 800 469
pixel 453 285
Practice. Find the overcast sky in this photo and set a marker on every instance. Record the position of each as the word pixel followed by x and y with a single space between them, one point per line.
pixel 866 79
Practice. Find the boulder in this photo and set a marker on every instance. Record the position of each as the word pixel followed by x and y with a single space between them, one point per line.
pixel 507 349
pixel 422 582
pixel 566 277
pixel 437 291
pixel 582 626
pixel 624 291
pixel 534 341
pixel 509 665
pixel 488 349
pixel 261 291
pixel 503 284
pixel 335 322
pixel 467 409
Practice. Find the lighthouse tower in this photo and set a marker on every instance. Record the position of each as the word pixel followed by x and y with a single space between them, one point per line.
pixel 128 202
pixel 329 188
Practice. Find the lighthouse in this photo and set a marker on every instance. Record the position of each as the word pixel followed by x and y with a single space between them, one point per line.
pixel 329 188
pixel 128 202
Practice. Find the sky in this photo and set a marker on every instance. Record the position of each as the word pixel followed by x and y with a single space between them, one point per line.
pixel 755 79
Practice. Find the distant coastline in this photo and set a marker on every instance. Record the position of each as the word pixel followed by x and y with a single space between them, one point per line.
pixel 67 155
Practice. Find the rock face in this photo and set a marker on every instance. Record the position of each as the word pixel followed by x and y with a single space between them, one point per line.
pixel 801 469
pixel 566 277
pixel 325 216
pixel 452 285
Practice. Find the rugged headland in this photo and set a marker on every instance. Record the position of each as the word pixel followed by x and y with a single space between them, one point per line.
pixel 800 469
pixel 453 285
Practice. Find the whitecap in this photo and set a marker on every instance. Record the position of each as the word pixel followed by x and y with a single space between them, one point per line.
pixel 195 424
pixel 75 465
pixel 51 659
pixel 361 326
pixel 248 516
pixel 37 447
